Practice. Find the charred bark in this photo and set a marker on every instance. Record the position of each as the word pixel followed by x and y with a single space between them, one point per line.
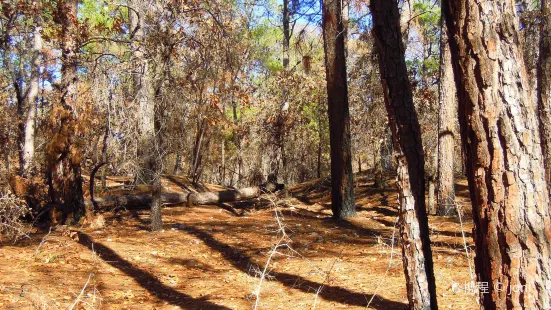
pixel 544 89
pixel 73 196
pixel 342 182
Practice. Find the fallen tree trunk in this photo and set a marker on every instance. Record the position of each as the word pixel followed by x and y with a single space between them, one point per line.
pixel 232 194
pixel 143 200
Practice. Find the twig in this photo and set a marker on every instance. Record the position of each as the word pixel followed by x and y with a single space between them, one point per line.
pixel 389 262
pixel 81 292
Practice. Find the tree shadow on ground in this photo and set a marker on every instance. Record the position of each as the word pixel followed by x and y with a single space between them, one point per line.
pixel 147 280
pixel 243 262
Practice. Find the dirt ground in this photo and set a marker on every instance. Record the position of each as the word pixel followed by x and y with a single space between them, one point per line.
pixel 213 257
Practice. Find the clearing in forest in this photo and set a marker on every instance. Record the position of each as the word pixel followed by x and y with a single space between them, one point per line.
pixel 212 257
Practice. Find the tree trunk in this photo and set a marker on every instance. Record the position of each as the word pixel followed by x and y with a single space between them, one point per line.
pixel 342 182
pixel 178 162
pixel 223 166
pixel 201 128
pixel 232 195
pixel 405 20
pixel 73 196
pixel 149 158
pixel 135 201
pixel 144 95
pixel 544 89
pixel 414 228
pixel 447 114
pixel 142 200
pixel 286 35
pixel 32 96
pixel 320 137
pixel 499 131
pixel 156 204
pixel 432 180
pixel 378 181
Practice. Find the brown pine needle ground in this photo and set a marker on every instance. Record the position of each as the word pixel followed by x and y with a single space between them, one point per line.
pixel 210 258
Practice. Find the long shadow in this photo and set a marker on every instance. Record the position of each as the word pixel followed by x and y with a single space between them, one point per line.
pixel 242 261
pixel 147 280
pixel 183 186
pixel 384 211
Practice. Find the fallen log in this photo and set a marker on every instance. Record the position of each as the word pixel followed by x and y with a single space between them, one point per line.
pixel 144 200
pixel 139 200
pixel 232 195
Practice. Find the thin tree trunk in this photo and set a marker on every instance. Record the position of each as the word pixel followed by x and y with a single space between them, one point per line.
pixel 447 114
pixel 156 204
pixel 32 96
pixel 223 176
pixel 342 180
pixel 499 131
pixel 105 139
pixel 286 35
pixel 416 251
pixel 197 148
pixel 177 164
pixel 320 136
pixel 143 95
pixel 432 180
pixel 544 89
pixel 149 144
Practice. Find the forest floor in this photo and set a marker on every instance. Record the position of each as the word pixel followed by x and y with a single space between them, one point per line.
pixel 212 257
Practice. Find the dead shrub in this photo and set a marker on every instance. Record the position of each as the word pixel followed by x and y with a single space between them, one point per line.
pixel 12 211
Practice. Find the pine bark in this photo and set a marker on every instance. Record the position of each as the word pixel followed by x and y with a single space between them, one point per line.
pixel 406 132
pixel 499 131
pixel 342 183
pixel 447 114
pixel 544 88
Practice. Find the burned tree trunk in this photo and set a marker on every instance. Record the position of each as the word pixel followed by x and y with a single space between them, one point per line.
pixel 73 196
pixel 544 89
pixel 447 115
pixel 414 228
pixel 342 182
pixel 499 131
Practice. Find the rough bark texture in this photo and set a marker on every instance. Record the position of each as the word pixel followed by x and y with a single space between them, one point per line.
pixel 414 230
pixel 342 183
pixel 499 131
pixel 544 89
pixel 73 196
pixel 447 114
